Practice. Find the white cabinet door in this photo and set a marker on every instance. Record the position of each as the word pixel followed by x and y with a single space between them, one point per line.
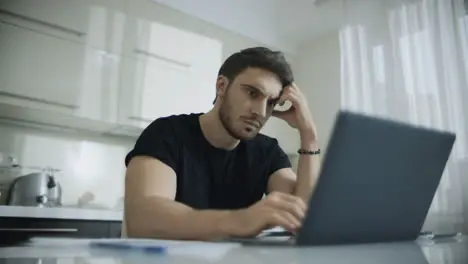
pixel 39 68
pixel 44 72
pixel 98 23
pixel 169 71
pixel 99 86
pixel 154 88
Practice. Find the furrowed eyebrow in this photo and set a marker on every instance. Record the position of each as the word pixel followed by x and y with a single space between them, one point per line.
pixel 261 91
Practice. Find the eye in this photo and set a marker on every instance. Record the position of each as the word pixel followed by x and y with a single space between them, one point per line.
pixel 252 93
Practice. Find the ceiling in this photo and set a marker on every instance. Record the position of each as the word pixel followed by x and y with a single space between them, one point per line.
pixel 283 24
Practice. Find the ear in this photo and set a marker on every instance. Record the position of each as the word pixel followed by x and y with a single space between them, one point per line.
pixel 222 84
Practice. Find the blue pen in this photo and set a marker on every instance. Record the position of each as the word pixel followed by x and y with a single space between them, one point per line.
pixel 126 246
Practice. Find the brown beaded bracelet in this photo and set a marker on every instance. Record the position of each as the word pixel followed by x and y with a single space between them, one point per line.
pixel 308 152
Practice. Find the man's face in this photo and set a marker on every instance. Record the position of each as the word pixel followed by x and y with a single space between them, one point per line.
pixel 247 102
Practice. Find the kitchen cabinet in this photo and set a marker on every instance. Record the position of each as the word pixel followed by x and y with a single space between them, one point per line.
pixel 165 71
pixel 64 227
pixel 43 72
pixel 39 68
pixel 100 65
pixel 98 86
pixel 97 23
pixel 115 229
pixel 153 87
pixel 60 62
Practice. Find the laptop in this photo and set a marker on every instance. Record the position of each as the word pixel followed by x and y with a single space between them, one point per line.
pixel 376 184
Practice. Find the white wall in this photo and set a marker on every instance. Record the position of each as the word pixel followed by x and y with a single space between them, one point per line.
pixel 232 42
pixel 254 24
pixel 318 76
pixel 87 163
pixel 96 164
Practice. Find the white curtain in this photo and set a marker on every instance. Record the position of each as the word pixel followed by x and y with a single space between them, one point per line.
pixel 408 60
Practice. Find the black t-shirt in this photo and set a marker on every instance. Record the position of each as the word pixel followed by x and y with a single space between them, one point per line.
pixel 209 177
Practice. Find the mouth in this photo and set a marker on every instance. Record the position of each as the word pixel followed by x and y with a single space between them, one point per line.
pixel 254 124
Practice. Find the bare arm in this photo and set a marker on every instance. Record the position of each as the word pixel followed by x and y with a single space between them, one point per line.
pixel 151 212
pixel 299 117
pixel 302 185
pixel 307 172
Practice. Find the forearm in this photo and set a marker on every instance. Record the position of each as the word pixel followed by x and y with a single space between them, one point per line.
pixel 307 169
pixel 166 219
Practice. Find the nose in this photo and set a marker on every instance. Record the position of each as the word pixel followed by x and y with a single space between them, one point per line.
pixel 259 108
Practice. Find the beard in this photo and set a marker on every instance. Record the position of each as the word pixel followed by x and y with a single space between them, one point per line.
pixel 227 120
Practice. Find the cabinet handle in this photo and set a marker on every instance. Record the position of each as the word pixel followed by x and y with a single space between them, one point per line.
pixel 43 23
pixel 136 118
pixel 182 65
pixel 40 229
pixel 38 100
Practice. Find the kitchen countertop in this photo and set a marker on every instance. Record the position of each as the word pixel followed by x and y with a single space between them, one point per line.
pixel 60 213
pixel 78 251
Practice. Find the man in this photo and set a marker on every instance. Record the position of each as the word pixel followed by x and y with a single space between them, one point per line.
pixel 203 176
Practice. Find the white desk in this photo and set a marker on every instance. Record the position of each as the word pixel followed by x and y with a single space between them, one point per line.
pixel 77 251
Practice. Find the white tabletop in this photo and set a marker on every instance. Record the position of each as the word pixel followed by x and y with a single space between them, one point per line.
pixel 78 251
pixel 60 213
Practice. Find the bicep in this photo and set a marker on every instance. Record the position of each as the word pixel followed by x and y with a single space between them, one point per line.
pixel 282 180
pixel 148 177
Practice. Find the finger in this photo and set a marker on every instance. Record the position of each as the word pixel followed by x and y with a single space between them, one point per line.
pixel 284 221
pixel 286 107
pixel 282 100
pixel 294 87
pixel 294 90
pixel 284 95
pixel 288 206
pixel 293 98
pixel 290 96
pixel 292 198
pixel 295 223
pixel 285 104
pixel 281 114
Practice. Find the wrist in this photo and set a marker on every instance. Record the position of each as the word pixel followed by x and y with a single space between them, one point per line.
pixel 309 141
pixel 226 224
pixel 309 145
pixel 308 136
pixel 211 224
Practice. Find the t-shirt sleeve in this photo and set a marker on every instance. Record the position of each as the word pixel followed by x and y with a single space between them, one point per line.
pixel 279 159
pixel 157 140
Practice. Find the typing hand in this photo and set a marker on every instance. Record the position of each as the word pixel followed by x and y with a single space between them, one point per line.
pixel 277 209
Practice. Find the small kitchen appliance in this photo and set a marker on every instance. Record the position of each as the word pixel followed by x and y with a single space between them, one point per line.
pixel 35 189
